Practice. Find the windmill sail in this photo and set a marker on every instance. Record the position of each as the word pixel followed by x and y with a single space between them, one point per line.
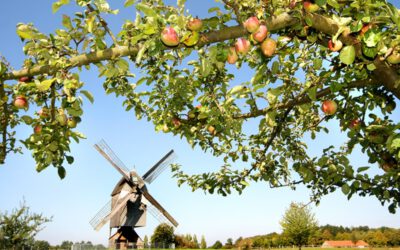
pixel 159 167
pixel 104 215
pixel 161 210
pixel 107 152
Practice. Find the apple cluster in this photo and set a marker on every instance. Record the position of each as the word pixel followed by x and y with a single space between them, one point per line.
pixel 170 37
pixel 259 33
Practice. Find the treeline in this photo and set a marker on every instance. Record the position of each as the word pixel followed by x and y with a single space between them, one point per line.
pixel 382 236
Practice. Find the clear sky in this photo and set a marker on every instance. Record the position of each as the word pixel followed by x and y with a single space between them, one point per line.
pixel 89 181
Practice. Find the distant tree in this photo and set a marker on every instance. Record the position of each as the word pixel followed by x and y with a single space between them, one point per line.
pixel 66 244
pixel 217 245
pixel 238 240
pixel 20 227
pixel 41 244
pixel 146 241
pixel 298 224
pixel 195 242
pixel 99 246
pixel 245 244
pixel 163 235
pixel 228 244
pixel 203 243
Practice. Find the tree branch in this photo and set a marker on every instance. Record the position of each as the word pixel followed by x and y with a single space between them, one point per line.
pixel 302 99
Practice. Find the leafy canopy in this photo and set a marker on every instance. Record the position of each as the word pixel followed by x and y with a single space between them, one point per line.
pixel 188 90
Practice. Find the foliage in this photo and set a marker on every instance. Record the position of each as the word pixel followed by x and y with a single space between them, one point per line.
pixel 19 228
pixel 298 224
pixel 373 236
pixel 189 91
pixel 146 241
pixel 41 244
pixel 216 245
pixel 203 243
pixel 163 235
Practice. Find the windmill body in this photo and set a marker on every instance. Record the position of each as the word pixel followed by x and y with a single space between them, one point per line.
pixel 130 201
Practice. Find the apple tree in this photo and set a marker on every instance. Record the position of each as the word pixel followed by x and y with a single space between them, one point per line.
pixel 312 63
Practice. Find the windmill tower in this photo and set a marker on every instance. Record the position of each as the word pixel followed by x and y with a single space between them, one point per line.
pixel 130 200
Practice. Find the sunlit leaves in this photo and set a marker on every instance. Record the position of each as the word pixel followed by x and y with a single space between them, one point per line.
pixel 348 54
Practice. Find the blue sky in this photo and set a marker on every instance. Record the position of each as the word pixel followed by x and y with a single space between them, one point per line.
pixel 74 200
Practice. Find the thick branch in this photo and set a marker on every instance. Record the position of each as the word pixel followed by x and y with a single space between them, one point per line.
pixel 302 99
pixel 384 74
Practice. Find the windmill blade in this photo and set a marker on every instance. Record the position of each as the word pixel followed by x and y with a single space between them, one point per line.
pixel 159 167
pixel 111 157
pixel 105 214
pixel 161 210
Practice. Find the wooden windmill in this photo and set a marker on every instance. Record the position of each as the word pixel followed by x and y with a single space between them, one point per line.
pixel 130 200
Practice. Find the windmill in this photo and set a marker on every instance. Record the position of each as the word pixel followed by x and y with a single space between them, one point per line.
pixel 130 200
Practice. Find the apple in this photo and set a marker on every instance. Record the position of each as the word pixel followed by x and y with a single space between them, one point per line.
pixel 329 107
pixel 62 119
pixel 43 113
pixel 268 47
pixel 25 79
pixel 232 56
pixel 169 37
pixel 335 46
pixel 195 24
pixel 252 24
pixel 71 123
pixel 176 121
pixel 242 46
pixel 211 130
pixel 310 7
pixel 260 34
pixel 165 128
pixel 394 58
pixel 20 102
pixel 386 166
pixel 355 124
pixel 37 129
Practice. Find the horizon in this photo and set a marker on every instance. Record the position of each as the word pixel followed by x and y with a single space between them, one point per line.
pixel 90 179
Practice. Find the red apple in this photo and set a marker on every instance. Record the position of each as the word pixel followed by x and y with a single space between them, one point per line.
pixel 252 24
pixel 37 129
pixel 169 37
pixel 242 46
pixel 177 122
pixel 43 113
pixel 20 102
pixel 211 130
pixel 329 107
pixel 232 56
pixel 335 46
pixel 310 7
pixel 268 47
pixel 25 79
pixel 260 34
pixel 195 24
pixel 355 124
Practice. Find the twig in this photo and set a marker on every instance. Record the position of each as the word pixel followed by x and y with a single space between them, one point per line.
pixel 104 24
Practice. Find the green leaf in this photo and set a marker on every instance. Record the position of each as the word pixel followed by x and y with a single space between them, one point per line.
pixel 333 3
pixel 372 37
pixel 275 67
pixel 272 95
pixel 70 159
pixel 25 31
pixel 244 183
pixel 362 169
pixel 312 93
pixel 371 67
pixel 44 85
pixel 348 55
pixel 66 21
pixel 88 95
pixel 148 11
pixel 27 119
pixel 320 2
pixel 129 3
pixel 57 5
pixel 61 172
pixel 102 5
